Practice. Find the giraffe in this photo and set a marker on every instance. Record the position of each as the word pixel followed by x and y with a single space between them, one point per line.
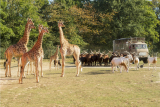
pixel 17 50
pixel 34 55
pixel 54 57
pixel 68 49
pixel 42 55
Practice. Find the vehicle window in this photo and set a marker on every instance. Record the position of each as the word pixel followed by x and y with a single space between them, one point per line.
pixel 141 46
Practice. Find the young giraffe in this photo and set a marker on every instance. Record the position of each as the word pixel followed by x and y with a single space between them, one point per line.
pixel 54 57
pixel 17 50
pixel 34 55
pixel 68 49
pixel 42 55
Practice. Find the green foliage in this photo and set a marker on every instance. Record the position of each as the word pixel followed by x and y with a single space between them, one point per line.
pixel 88 24
pixel 134 18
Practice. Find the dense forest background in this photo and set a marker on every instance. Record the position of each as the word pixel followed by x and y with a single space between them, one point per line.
pixel 90 24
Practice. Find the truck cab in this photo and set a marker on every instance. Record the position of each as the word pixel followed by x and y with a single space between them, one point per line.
pixel 141 50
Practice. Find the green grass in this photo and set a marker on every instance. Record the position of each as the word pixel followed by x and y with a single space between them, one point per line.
pixel 95 87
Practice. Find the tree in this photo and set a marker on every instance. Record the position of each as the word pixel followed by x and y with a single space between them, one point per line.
pixel 14 14
pixel 134 18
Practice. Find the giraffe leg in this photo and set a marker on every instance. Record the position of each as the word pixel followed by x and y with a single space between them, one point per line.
pixel 21 73
pixel 41 67
pixel 6 73
pixel 57 64
pixel 32 72
pixel 19 61
pixel 29 66
pixel 77 63
pixel 23 61
pixel 63 65
pixel 77 66
pixel 37 73
pixel 9 69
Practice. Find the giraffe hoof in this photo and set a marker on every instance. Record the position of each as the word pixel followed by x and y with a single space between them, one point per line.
pixel 20 81
pixel 62 75
pixel 77 75
pixel 37 81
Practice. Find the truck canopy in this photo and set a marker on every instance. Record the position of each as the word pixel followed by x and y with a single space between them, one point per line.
pixel 124 43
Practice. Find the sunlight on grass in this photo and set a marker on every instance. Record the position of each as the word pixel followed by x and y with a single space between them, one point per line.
pixel 95 87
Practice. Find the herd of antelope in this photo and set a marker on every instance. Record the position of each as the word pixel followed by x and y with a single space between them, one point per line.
pixel 116 60
pixel 36 54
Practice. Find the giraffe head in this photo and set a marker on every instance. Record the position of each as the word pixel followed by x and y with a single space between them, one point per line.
pixel 40 27
pixel 30 23
pixel 44 30
pixel 32 27
pixel 60 23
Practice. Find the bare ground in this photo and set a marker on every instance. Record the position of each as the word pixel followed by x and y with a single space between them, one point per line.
pixel 4 81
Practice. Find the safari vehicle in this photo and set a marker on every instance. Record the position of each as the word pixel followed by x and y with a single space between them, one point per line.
pixel 135 45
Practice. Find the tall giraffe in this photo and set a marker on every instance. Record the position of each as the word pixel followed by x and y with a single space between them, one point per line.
pixel 42 55
pixel 17 50
pixel 54 57
pixel 34 55
pixel 68 49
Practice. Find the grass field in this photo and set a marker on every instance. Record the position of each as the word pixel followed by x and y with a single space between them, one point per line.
pixel 95 87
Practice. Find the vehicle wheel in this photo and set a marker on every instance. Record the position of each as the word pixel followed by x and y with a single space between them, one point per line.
pixel 145 60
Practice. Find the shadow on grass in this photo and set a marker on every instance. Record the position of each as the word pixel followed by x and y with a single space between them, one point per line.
pixel 52 73
pixel 8 78
pixel 99 72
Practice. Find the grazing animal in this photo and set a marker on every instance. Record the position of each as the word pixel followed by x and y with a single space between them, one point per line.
pixel 127 59
pixel 118 62
pixel 83 58
pixel 17 50
pixel 54 57
pixel 100 57
pixel 94 58
pixel 112 56
pixel 68 49
pixel 88 57
pixel 136 62
pixel 152 60
pixel 34 55
pixel 105 59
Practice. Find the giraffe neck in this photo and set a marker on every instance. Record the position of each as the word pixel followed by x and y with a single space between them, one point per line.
pixel 25 37
pixel 38 44
pixel 57 50
pixel 62 38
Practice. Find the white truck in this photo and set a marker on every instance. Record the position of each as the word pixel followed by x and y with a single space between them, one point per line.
pixel 132 45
